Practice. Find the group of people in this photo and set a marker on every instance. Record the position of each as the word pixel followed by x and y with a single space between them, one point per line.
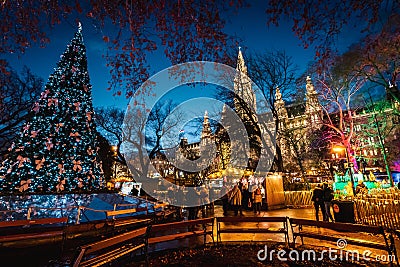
pixel 201 199
pixel 322 197
pixel 243 197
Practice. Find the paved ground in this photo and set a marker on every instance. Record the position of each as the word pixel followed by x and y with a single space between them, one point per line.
pixel 304 213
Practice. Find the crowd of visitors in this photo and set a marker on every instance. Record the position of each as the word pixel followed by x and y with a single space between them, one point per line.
pixel 243 196
pixel 238 197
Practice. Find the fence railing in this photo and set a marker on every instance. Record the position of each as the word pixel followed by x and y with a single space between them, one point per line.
pixel 32 212
pixel 74 213
pixel 381 207
pixel 298 199
pixel 378 212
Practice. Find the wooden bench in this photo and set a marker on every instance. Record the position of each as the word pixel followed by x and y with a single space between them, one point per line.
pixel 249 228
pixel 40 229
pixel 110 249
pixel 180 230
pixel 304 228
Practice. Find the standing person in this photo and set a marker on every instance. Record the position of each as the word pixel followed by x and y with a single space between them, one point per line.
pixel 244 188
pixel 204 200
pixel 257 200
pixel 318 199
pixel 194 196
pixel 235 199
pixel 211 196
pixel 263 196
pixel 180 200
pixel 328 196
pixel 225 199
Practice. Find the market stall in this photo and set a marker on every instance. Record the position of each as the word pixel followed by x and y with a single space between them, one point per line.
pixel 342 182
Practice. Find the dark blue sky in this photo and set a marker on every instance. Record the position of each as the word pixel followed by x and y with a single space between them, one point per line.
pixel 249 24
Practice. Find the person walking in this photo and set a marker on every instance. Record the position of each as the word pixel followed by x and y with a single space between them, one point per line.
pixel 235 199
pixel 318 199
pixel 328 196
pixel 257 200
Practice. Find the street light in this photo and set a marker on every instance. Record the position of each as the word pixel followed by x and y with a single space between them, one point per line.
pixel 349 166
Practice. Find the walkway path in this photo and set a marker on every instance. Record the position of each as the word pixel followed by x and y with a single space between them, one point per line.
pixel 303 213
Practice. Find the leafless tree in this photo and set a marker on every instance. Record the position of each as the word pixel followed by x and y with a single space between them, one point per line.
pixel 138 132
pixel 17 95
pixel 270 71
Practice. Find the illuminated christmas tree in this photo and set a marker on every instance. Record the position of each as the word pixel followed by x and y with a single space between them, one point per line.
pixel 57 149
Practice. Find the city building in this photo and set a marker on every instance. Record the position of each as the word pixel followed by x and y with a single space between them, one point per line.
pixel 299 127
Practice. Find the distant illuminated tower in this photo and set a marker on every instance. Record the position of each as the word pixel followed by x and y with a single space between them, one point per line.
pixel 313 108
pixel 279 105
pixel 206 133
pixel 243 89
pixel 245 105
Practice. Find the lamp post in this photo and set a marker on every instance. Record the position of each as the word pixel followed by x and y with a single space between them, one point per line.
pixel 349 166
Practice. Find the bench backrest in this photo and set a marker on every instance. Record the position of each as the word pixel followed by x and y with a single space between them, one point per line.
pixel 40 221
pixel 339 226
pixel 14 223
pixel 251 219
pixel 173 225
pixel 120 212
pixel 118 239
pixel 111 213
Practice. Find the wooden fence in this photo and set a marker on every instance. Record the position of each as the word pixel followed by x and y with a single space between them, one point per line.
pixel 298 199
pixel 381 207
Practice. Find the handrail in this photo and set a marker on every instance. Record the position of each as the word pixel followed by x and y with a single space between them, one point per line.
pixel 30 210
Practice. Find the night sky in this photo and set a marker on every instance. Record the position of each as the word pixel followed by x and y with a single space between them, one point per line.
pixel 249 24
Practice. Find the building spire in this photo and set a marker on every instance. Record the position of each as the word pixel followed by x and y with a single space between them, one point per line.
pixel 241 66
pixel 278 95
pixel 313 108
pixel 280 104
pixel 206 132
pixel 79 26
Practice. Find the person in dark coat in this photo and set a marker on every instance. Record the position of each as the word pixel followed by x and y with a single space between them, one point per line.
pixel 194 196
pixel 225 199
pixel 318 199
pixel 328 196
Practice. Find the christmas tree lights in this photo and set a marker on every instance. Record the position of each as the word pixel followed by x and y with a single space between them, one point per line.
pixel 56 150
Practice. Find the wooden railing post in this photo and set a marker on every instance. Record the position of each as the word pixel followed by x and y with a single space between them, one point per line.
pixel 78 215
pixel 28 215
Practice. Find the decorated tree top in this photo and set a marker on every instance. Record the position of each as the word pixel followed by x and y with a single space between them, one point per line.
pixel 57 148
